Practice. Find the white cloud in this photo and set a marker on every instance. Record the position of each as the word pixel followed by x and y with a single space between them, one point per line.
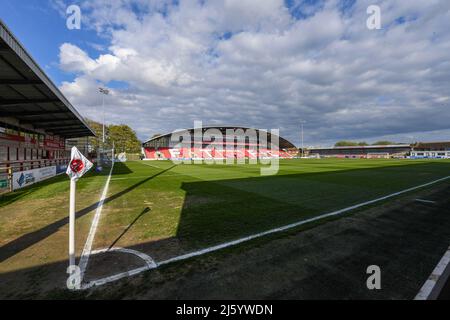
pixel 254 63
pixel 74 59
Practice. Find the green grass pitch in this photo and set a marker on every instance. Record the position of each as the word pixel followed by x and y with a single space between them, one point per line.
pixel 187 207
pixel 166 210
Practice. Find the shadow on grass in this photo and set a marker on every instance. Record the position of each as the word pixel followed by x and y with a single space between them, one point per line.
pixel 146 210
pixel 215 211
pixel 12 248
pixel 225 210
pixel 326 263
pixel 218 211
pixel 9 198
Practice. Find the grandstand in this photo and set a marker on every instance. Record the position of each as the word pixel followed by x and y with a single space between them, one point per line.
pixel 169 147
pixel 431 150
pixel 363 152
pixel 35 119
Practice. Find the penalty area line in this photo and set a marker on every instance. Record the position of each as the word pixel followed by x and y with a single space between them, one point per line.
pixel 133 272
pixel 84 259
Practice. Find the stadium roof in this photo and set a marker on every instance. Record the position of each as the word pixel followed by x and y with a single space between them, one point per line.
pixel 365 147
pixel 27 94
pixel 433 144
pixel 283 142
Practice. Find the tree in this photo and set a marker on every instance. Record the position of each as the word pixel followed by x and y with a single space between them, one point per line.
pixel 122 136
pixel 124 139
pixel 345 143
pixel 98 130
pixel 382 143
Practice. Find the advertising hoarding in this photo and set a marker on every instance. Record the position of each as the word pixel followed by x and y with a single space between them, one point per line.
pixel 25 178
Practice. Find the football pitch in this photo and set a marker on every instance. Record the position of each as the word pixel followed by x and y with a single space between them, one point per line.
pixel 165 210
pixel 203 205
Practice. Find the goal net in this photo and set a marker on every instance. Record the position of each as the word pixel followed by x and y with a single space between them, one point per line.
pixel 105 157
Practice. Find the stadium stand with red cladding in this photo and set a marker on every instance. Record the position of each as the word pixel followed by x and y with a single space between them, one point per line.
pixel 163 148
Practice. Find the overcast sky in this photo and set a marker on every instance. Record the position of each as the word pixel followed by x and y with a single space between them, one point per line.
pixel 258 63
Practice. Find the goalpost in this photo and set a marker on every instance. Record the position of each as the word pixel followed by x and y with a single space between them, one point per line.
pixel 105 157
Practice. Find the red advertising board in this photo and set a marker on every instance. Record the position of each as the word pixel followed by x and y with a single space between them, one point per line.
pixel 6 136
pixel 51 144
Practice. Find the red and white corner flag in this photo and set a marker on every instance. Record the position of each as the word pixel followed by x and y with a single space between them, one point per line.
pixel 78 165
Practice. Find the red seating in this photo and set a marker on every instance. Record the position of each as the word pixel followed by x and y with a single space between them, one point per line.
pixel 150 153
pixel 212 153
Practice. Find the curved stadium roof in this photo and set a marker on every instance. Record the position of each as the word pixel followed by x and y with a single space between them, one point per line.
pixel 284 143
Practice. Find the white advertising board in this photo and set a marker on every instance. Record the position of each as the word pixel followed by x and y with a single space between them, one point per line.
pixel 29 177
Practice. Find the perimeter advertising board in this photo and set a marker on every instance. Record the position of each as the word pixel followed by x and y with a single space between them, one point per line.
pixel 25 178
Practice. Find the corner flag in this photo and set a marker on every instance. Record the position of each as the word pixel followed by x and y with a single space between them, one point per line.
pixel 78 165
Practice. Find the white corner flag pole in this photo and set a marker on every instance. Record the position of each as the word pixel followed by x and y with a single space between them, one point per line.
pixel 73 188
pixel 77 167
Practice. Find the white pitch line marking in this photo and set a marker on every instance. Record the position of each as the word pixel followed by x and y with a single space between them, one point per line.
pixel 122 275
pixel 425 201
pixel 118 276
pixel 149 264
pixel 90 239
pixel 439 276
pixel 167 174
pixel 148 260
pixel 150 165
pixel 130 178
